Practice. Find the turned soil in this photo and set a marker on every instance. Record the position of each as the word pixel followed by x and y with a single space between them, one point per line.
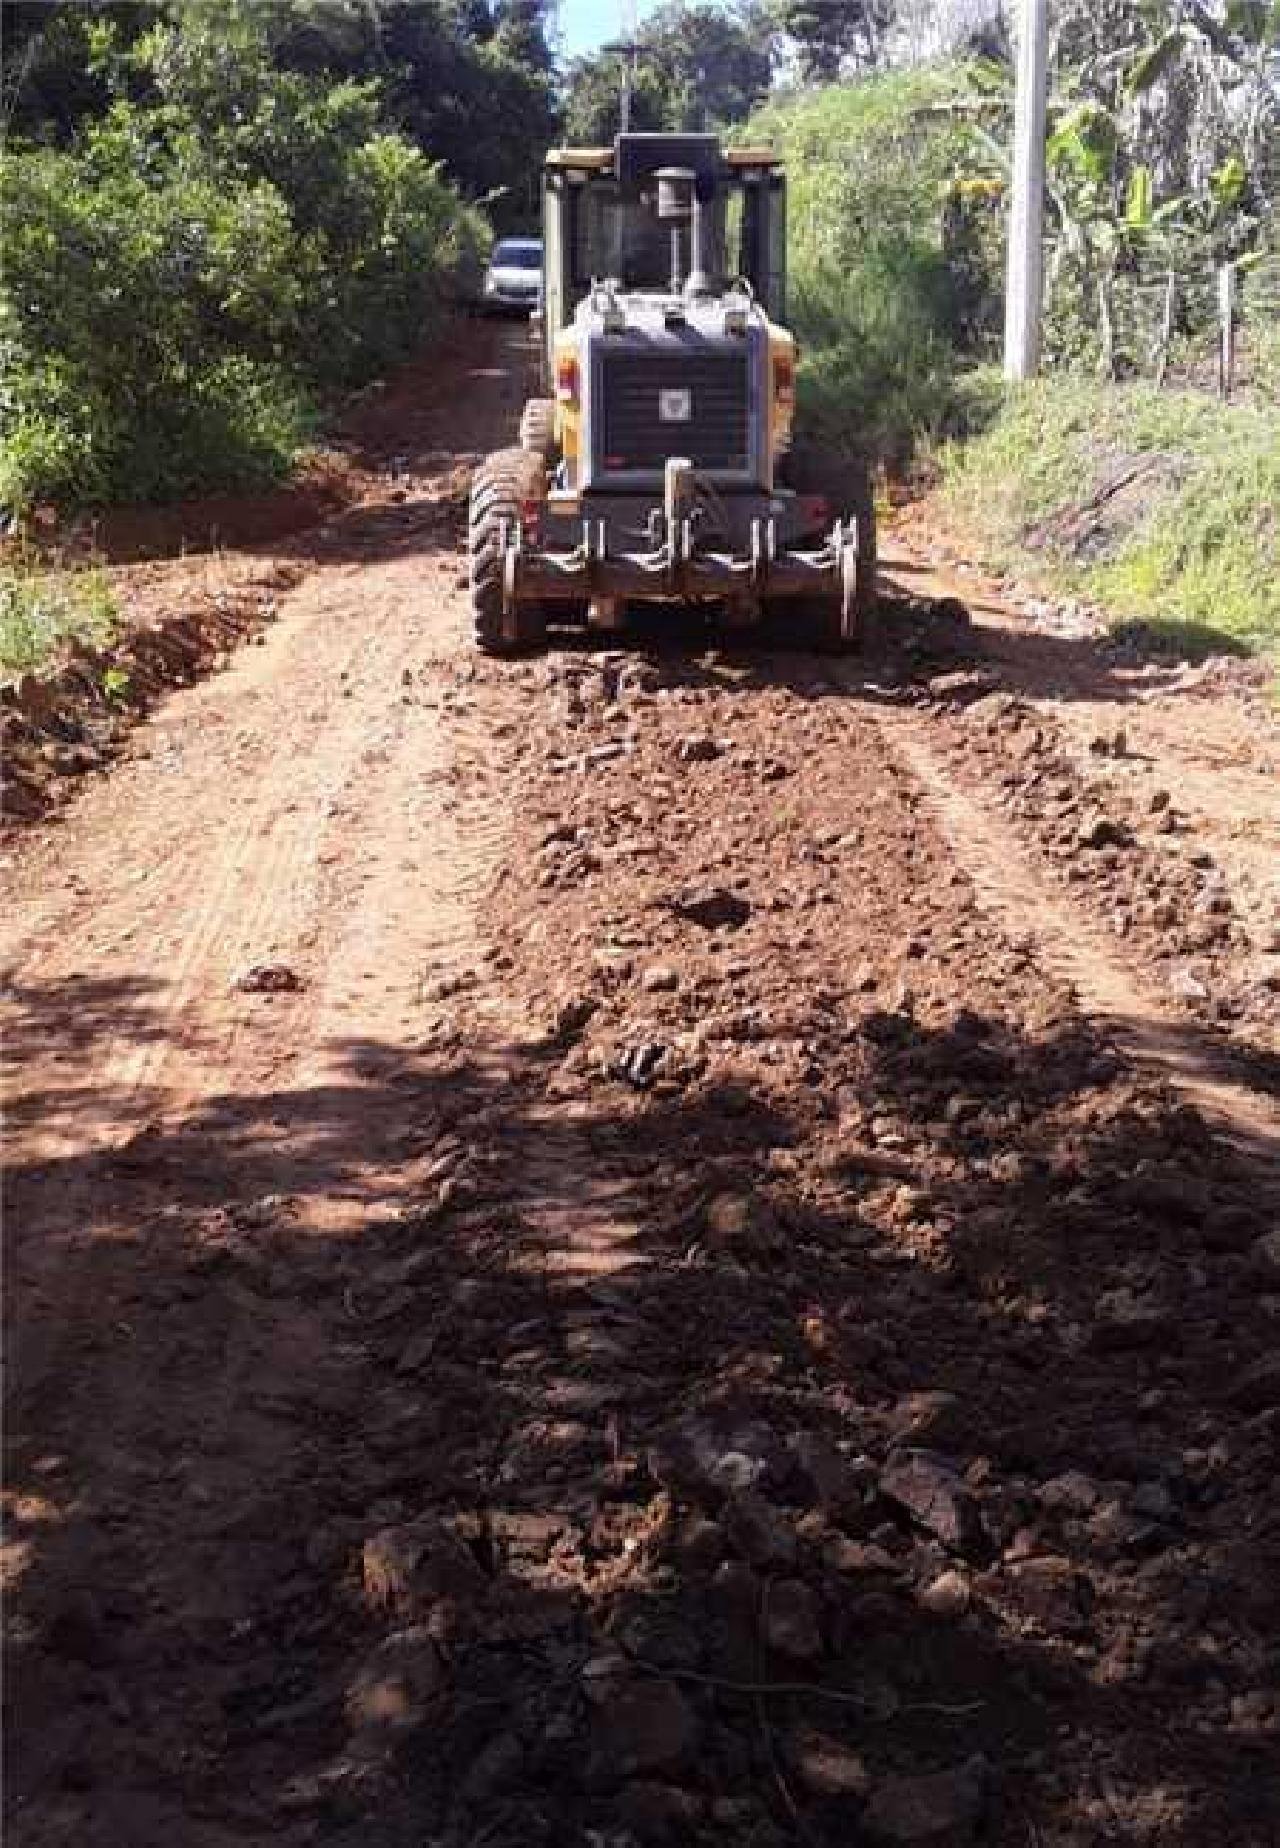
pixel 665 1243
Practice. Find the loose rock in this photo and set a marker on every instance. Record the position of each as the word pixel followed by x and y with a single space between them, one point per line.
pixel 759 1532
pixel 394 1689
pixel 1266 1254
pixel 1098 830
pixel 654 1812
pixel 409 1570
pixel 933 1494
pixel 793 1620
pixel 708 1459
pixel 697 749
pixel 944 1808
pixel 713 907
pixel 948 1595
pixel 660 979
pixel 826 1767
pixel 742 1222
pixel 267 978
pixel 646 1726
pixel 923 1419
pixel 1048 1592
pixel 1072 1493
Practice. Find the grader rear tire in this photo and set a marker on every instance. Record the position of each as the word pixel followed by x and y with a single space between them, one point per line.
pixel 501 488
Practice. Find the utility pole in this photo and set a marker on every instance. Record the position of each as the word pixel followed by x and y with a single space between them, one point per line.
pixel 1024 278
pixel 626 50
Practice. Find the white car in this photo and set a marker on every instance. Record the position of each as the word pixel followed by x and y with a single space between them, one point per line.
pixel 513 279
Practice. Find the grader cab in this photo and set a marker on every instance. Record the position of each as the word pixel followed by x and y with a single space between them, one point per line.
pixel 659 464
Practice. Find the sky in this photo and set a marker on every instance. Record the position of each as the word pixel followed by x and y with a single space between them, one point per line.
pixel 587 24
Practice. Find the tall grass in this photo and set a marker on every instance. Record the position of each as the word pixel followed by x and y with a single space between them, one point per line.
pixel 878 367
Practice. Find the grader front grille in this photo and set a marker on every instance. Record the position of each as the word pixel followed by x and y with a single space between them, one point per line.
pixel 663 403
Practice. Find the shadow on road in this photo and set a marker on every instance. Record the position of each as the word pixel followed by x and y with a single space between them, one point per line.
pixel 611 1395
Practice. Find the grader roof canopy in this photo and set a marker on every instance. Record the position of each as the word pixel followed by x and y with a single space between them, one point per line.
pixel 579 157
pixel 636 156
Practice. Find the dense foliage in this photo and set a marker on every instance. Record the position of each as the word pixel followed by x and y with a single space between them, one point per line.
pixel 470 82
pixel 41 610
pixel 882 309
pixel 693 66
pixel 1163 161
pixel 214 215
pixel 828 39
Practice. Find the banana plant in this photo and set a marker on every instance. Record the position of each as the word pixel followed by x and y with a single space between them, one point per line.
pixel 1133 79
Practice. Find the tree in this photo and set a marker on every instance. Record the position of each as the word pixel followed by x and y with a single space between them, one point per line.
pixel 228 239
pixel 828 39
pixel 1162 117
pixel 593 112
pixel 53 61
pixel 697 66
pixel 520 35
pixel 470 81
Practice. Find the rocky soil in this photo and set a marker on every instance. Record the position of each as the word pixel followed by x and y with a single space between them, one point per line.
pixel 664 1244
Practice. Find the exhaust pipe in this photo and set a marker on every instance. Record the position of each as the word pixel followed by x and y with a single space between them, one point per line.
pixel 680 204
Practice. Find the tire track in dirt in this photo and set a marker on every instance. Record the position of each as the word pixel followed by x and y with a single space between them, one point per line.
pixel 324 804
pixel 585 1220
pixel 255 872
pixel 412 851
pixel 1073 950
pixel 244 801
pixel 274 756
pixel 257 884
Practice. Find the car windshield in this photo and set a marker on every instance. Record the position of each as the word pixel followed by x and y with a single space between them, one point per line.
pixel 518 253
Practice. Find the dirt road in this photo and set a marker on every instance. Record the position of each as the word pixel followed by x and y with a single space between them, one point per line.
pixel 669 1245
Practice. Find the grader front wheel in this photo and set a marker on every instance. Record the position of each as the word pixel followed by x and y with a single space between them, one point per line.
pixel 501 490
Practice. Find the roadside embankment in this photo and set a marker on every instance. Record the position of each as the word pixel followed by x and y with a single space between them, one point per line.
pixel 1159 506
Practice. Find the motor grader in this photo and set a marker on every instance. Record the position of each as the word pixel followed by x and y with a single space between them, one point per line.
pixel 659 464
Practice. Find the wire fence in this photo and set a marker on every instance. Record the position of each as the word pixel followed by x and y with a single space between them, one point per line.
pixel 1212 327
pixel 1258 357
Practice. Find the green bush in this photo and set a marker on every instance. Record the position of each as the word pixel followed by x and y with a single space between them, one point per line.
pixel 878 367
pixel 183 285
pixel 879 308
pixel 146 328
pixel 40 610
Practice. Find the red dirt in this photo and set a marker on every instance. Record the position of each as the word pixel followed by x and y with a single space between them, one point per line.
pixel 122 535
pixel 373 454
pixel 181 615
pixel 719 1299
